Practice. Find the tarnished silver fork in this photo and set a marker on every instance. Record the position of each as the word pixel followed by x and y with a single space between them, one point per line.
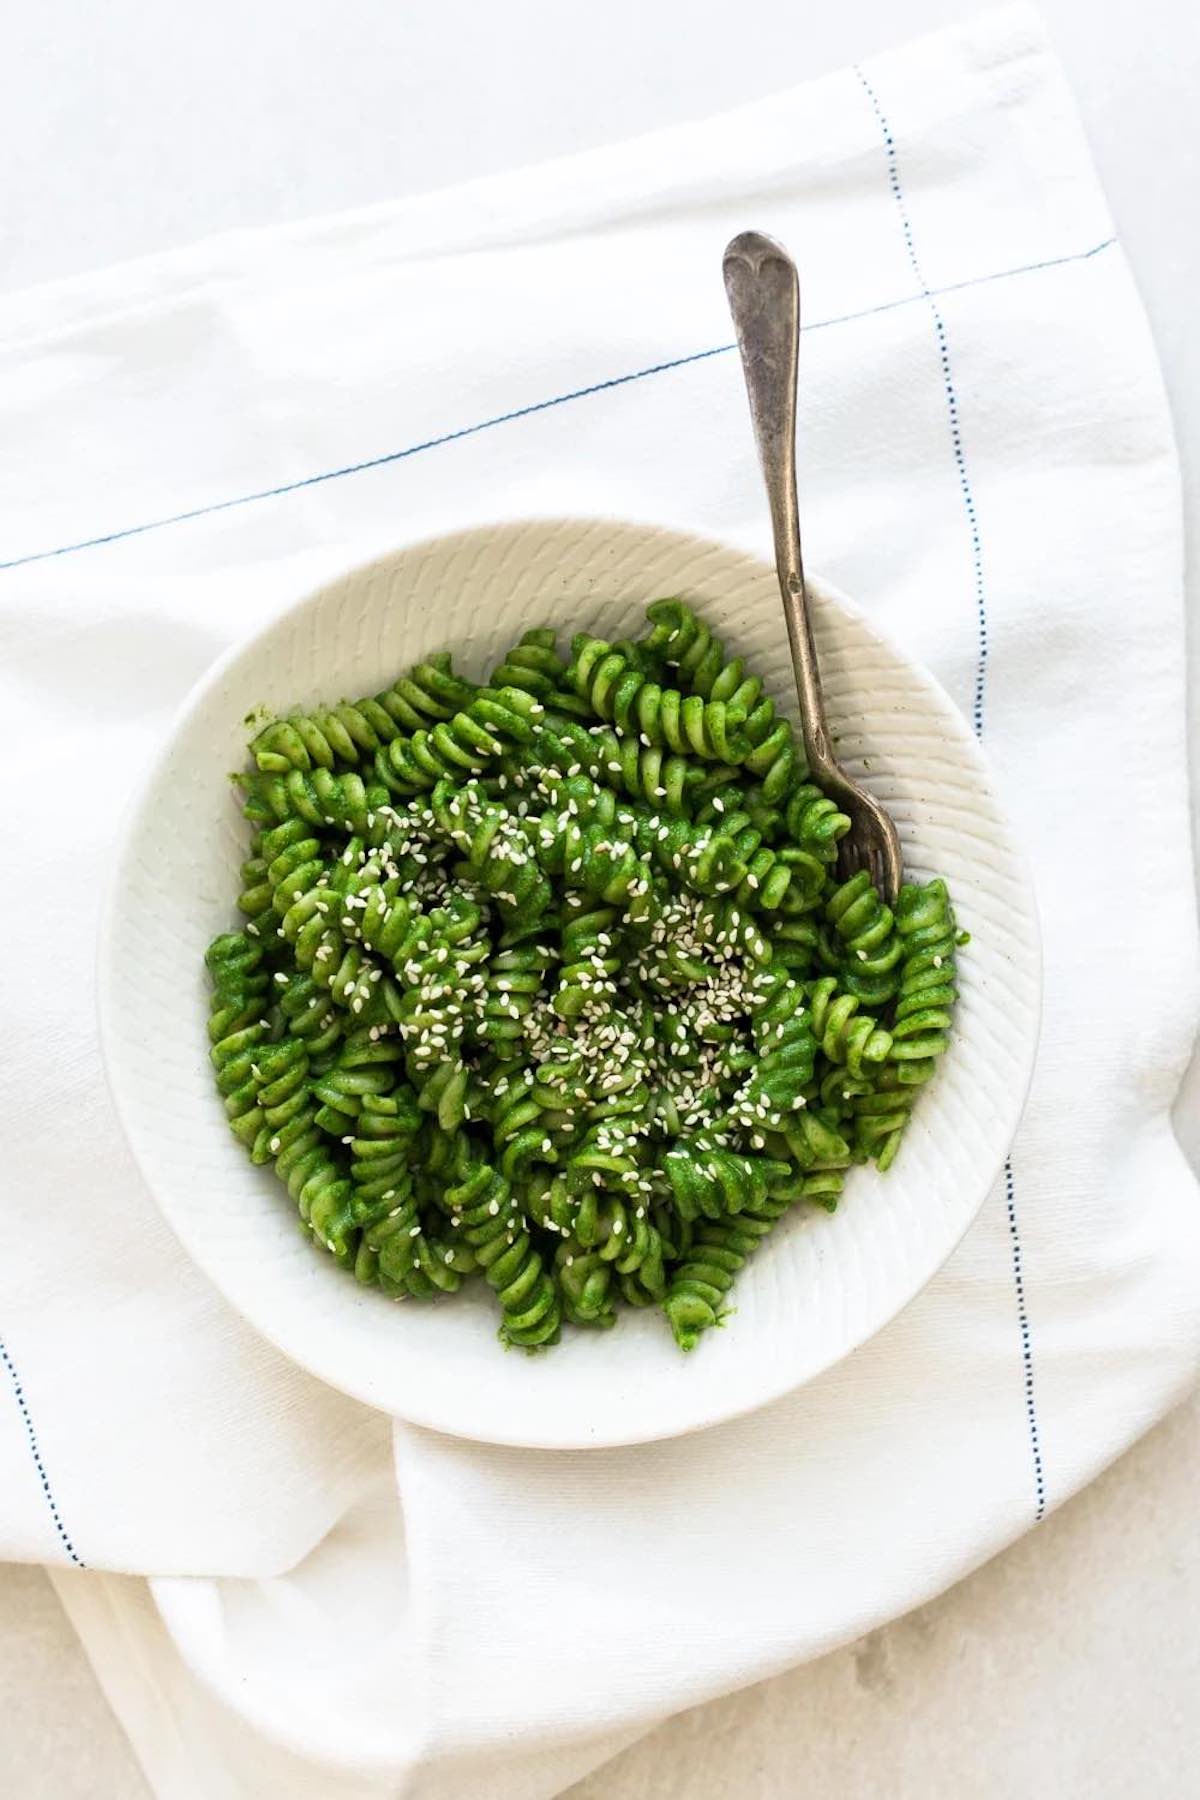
pixel 764 298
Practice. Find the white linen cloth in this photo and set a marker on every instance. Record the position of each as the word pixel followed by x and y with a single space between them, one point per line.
pixel 347 1607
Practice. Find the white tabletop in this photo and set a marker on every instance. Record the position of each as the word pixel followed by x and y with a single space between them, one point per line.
pixel 1069 1666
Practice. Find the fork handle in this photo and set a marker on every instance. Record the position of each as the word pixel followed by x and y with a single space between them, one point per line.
pixel 764 298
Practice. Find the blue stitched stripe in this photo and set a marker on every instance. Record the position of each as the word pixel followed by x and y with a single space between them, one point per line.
pixel 1035 1442
pixel 35 1452
pixel 943 344
pixel 523 412
pixel 981 671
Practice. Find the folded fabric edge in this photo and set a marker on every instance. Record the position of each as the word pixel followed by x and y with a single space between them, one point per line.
pixel 979 46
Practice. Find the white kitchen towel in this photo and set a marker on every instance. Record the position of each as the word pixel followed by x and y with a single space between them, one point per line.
pixel 347 1608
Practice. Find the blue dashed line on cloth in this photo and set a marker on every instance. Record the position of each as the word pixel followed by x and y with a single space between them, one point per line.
pixel 35 1452
pixel 1035 1440
pixel 526 412
pixel 372 462
pixel 981 673
pixel 943 344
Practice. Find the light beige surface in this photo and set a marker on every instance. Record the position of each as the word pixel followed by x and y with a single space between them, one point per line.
pixel 1066 1668
pixel 58 1739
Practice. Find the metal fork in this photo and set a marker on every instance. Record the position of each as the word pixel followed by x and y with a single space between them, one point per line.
pixel 764 298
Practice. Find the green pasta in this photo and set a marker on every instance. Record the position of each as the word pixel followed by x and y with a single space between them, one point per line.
pixel 550 982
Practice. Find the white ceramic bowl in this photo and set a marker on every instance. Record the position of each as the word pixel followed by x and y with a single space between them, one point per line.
pixel 821 1284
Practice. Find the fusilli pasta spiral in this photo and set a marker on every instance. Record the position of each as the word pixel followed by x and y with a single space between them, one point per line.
pixel 549 982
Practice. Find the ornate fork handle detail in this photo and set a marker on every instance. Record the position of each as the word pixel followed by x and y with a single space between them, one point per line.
pixel 764 299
